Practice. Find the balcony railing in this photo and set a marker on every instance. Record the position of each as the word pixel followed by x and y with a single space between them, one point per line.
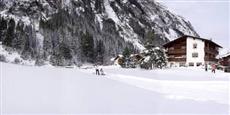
pixel 177 51
pixel 210 59
pixel 211 51
pixel 177 59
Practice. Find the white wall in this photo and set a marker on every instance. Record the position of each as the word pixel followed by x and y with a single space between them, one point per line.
pixel 199 50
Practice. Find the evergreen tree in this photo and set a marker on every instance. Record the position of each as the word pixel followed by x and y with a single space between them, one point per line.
pixel 99 6
pixel 65 51
pixel 126 53
pixel 154 58
pixel 10 33
pixel 3 27
pixel 99 52
pixel 62 55
pixel 161 60
pixel 87 46
pixel 126 59
pixel 19 40
pixel 149 40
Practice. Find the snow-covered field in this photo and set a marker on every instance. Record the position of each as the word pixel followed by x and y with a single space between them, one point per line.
pixel 49 90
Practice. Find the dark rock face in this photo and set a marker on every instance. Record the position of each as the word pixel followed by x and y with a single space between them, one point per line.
pixel 66 32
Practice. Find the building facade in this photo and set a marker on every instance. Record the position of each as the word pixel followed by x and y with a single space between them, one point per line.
pixel 225 60
pixel 191 51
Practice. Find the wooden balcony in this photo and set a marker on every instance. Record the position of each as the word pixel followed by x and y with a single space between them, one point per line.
pixel 211 51
pixel 210 59
pixel 176 51
pixel 177 59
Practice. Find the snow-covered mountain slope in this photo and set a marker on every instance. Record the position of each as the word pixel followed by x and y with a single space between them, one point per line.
pixel 67 32
pixel 42 90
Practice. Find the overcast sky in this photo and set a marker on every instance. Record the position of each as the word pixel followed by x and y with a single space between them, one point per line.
pixel 210 18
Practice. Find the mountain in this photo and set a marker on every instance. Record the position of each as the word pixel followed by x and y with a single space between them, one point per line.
pixel 66 32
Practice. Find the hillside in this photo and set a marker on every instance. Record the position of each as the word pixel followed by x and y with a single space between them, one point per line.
pixel 66 32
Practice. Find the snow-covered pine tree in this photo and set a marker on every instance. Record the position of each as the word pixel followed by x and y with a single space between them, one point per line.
pixel 3 28
pixel 87 46
pixel 99 52
pixel 154 56
pixel 161 59
pixel 10 34
pixel 126 57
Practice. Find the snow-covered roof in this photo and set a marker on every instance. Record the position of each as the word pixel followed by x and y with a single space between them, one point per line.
pixel 186 36
pixel 225 55
pixel 120 55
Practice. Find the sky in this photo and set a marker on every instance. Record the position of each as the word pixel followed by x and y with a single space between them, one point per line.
pixel 210 18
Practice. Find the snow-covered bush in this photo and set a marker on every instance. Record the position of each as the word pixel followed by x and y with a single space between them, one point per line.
pixel 17 61
pixel 39 62
pixel 2 58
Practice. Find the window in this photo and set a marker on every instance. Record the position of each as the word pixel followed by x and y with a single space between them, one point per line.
pixel 194 45
pixel 198 64
pixel 191 64
pixel 182 64
pixel 194 55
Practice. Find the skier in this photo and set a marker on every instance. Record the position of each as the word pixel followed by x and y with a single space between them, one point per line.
pixel 213 68
pixel 97 70
pixel 102 72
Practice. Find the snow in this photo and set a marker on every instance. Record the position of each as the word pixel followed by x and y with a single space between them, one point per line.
pixel 12 55
pixel 147 59
pixel 50 90
pixel 79 9
pixel 124 1
pixel 153 17
pixel 182 88
pixel 109 11
pixel 66 2
pixel 224 55
pixel 99 20
pixel 157 48
pixel 224 51
pixel 127 33
pixel 171 35
pixel 130 36
pixel 40 39
pixel 24 19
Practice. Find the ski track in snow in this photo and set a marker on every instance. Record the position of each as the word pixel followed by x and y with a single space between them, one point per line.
pixel 195 90
pixel 198 86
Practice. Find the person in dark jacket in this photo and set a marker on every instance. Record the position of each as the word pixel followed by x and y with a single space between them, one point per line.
pixel 206 67
pixel 97 70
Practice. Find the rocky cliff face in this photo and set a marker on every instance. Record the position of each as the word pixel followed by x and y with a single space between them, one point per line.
pixel 66 32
